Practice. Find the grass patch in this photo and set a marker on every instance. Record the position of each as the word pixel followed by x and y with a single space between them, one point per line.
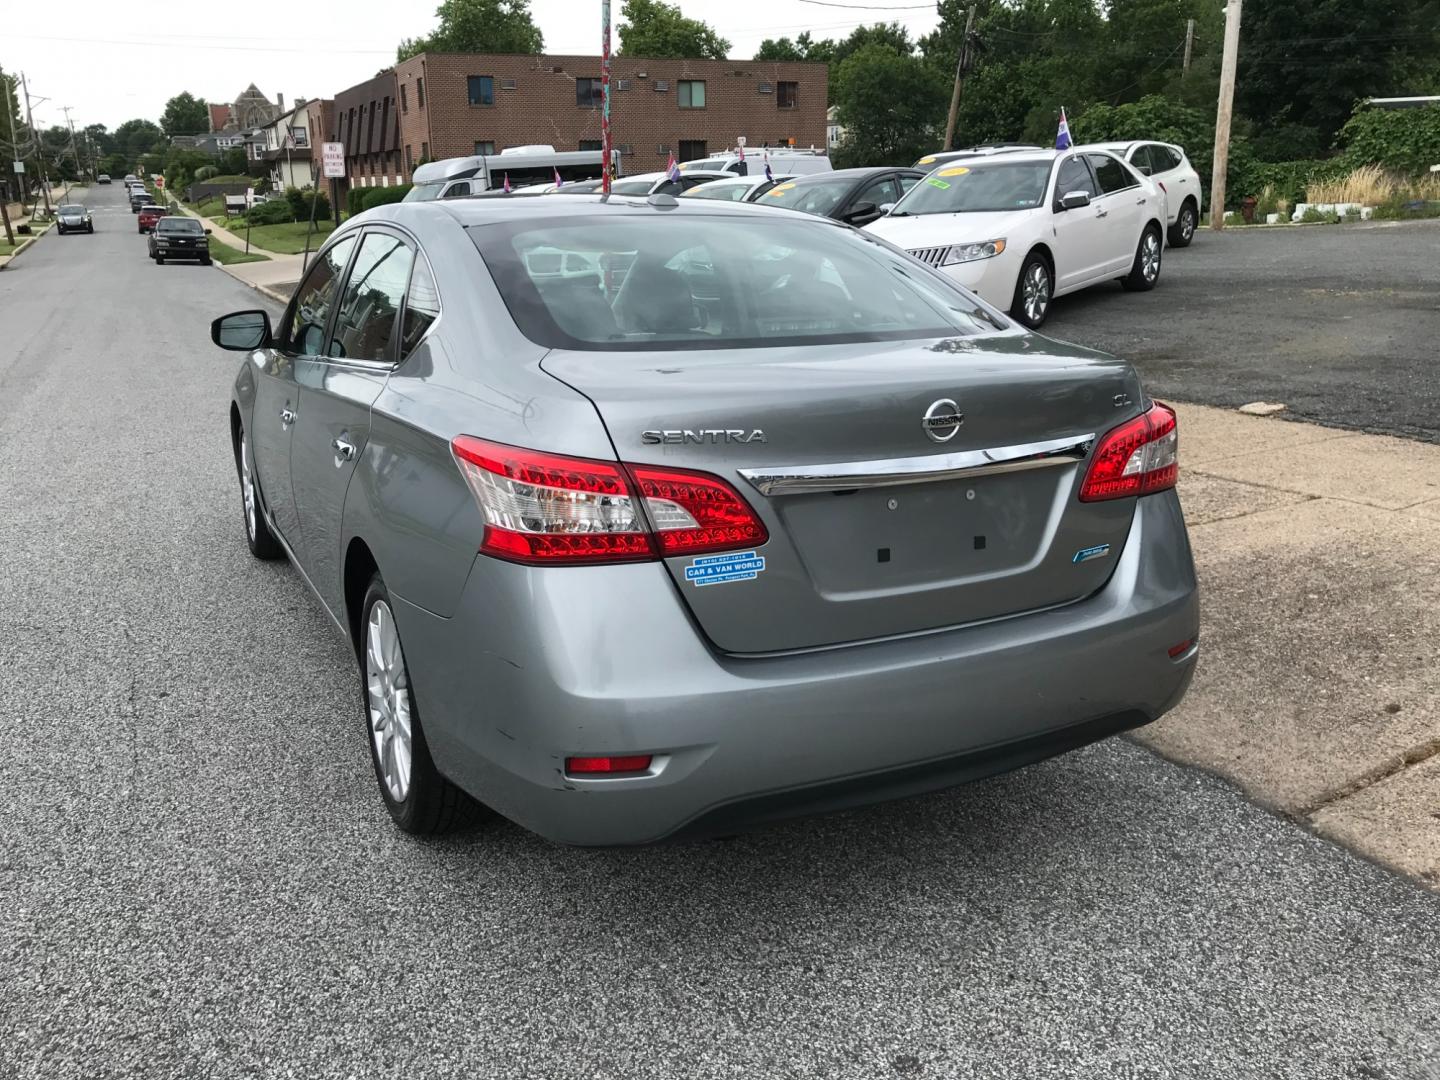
pixel 224 254
pixel 210 208
pixel 10 249
pixel 286 239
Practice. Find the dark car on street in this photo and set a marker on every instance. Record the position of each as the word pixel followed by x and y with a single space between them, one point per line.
pixel 138 199
pixel 854 196
pixel 179 238
pixel 72 217
pixel 103 178
pixel 149 215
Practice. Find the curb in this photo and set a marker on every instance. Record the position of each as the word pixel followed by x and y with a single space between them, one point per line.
pixel 26 246
pixel 265 289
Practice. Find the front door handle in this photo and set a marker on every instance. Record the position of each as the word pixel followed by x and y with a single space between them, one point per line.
pixel 287 416
pixel 1102 213
pixel 344 451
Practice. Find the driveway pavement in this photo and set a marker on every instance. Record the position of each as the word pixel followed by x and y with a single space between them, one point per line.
pixel 197 879
pixel 1338 322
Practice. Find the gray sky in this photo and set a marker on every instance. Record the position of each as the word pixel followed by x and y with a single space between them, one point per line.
pixel 92 56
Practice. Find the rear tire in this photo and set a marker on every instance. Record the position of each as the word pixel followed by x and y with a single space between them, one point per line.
pixel 263 544
pixel 204 262
pixel 1034 291
pixel 419 799
pixel 159 260
pixel 1145 271
pixel 1183 231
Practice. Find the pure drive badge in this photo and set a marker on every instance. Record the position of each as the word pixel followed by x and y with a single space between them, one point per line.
pixel 724 569
pixel 1099 551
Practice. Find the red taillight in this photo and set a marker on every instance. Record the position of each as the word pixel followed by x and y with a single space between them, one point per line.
pixel 1139 457
pixel 544 509
pixel 1182 648
pixel 608 766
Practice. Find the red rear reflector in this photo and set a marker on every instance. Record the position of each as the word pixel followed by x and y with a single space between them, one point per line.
pixel 1140 457
pixel 607 766
pixel 544 509
pixel 1183 647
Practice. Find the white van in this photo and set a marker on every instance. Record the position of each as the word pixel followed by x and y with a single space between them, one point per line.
pixel 522 166
pixel 782 160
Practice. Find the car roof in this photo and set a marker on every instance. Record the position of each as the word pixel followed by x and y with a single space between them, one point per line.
pixel 475 212
pixel 850 174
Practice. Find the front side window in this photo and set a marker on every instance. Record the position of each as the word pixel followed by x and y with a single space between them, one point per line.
pixel 713 283
pixel 1075 175
pixel 882 191
pixel 482 89
pixel 1112 175
pixel 589 94
pixel 365 323
pixel 787 95
pixel 988 188
pixel 305 330
pixel 692 94
pixel 457 189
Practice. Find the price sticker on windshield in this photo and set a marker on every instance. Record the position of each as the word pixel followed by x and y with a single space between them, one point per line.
pixel 781 189
pixel 933 182
pixel 958 170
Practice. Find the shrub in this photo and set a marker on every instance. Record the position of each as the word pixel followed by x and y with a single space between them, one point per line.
pixel 275 212
pixel 1312 215
pixel 1287 142
pixel 205 172
pixel 355 200
pixel 300 203
pixel 382 196
pixel 1407 140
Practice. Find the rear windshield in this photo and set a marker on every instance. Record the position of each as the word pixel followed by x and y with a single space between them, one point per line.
pixel 720 190
pixel 668 282
pixel 179 225
pixel 976 188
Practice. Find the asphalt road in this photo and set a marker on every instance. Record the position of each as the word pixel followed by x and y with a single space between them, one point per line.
pixel 1338 322
pixel 197 878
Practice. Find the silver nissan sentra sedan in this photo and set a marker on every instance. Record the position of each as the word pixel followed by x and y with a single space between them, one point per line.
pixel 658 519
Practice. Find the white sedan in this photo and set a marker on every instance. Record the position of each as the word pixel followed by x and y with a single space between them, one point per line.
pixel 1023 228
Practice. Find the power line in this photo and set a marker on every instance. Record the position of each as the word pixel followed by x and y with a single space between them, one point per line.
pixel 872 7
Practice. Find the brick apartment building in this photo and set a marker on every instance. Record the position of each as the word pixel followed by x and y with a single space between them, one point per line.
pixel 443 105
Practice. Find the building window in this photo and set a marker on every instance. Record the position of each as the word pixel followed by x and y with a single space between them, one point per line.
pixel 591 145
pixel 424 152
pixel 419 93
pixel 787 95
pixel 404 99
pixel 409 159
pixel 589 94
pixel 692 149
pixel 692 94
pixel 484 146
pixel 482 90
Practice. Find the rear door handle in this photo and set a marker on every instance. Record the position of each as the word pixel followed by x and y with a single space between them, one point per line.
pixel 287 416
pixel 1139 202
pixel 344 451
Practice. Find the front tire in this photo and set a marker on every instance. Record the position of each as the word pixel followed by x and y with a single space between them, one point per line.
pixel 159 260
pixel 1034 290
pixel 419 799
pixel 263 544
pixel 1145 271
pixel 90 229
pixel 1183 231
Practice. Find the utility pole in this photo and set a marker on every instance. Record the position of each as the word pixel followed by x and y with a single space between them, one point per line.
pixel 7 83
pixel 39 145
pixel 1222 116
pixel 962 66
pixel 1189 43
pixel 74 150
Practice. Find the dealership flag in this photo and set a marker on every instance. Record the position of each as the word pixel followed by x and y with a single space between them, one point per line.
pixel 1062 134
pixel 672 168
pixel 507 183
pixel 558 182
pixel 768 174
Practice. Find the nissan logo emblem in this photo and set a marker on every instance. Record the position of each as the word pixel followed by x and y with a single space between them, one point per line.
pixel 942 420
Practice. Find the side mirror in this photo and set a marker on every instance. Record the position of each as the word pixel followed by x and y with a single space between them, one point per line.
pixel 862 213
pixel 209 232
pixel 1074 200
pixel 242 331
pixel 886 207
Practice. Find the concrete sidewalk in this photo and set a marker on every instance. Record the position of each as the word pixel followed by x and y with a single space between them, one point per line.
pixel 1318 690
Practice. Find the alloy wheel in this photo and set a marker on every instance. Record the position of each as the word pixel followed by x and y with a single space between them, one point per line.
pixel 1036 292
pixel 1187 223
pixel 387 687
pixel 1150 256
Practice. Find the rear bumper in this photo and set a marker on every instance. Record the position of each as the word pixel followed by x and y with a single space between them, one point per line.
pixel 538 665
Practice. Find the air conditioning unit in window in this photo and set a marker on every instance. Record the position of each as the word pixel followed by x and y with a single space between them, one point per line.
pixel 507 84
pixel 661 85
pixel 766 88
pixel 625 148
pixel 622 84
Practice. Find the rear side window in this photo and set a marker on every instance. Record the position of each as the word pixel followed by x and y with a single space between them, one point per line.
pixel 305 329
pixel 715 283
pixel 422 307
pixel 1112 175
pixel 371 304
pixel 1163 159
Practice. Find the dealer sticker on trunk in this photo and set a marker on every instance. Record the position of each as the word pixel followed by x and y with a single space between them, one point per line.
pixel 723 569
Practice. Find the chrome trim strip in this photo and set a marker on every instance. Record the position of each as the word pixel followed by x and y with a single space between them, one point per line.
pixel 849 475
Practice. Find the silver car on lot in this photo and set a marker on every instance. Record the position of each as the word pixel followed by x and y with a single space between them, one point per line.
pixel 738 514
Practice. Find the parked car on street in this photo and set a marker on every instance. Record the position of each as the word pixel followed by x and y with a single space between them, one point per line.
pixel 1023 228
pixel 945 157
pixel 103 178
pixel 854 196
pixel 1179 183
pixel 736 188
pixel 140 198
pixel 660 183
pixel 130 177
pixel 515 166
pixel 852 521
pixel 72 217
pixel 179 238
pixel 781 159
pixel 148 216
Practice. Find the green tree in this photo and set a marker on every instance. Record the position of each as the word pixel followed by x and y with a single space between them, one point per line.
pixel 185 114
pixel 891 104
pixel 136 137
pixel 483 26
pixel 655 29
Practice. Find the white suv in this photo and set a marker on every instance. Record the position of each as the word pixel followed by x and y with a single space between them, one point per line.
pixel 1019 229
pixel 1179 183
